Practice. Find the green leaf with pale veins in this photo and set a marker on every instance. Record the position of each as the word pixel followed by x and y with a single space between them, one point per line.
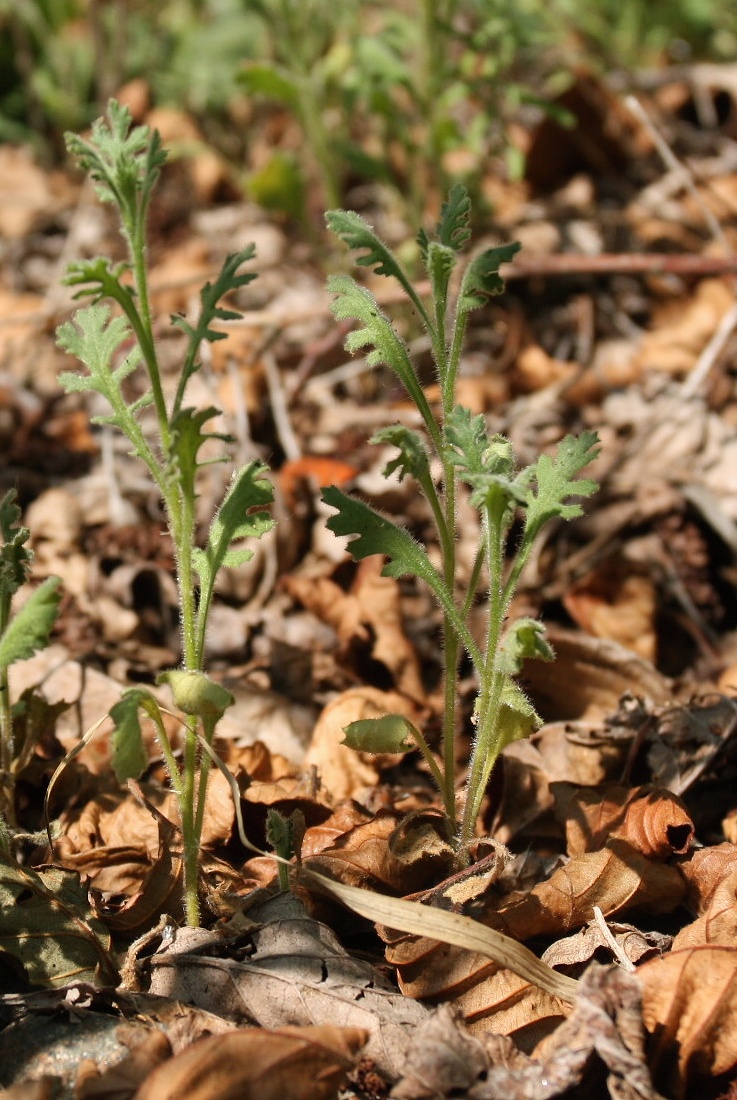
pixel 96 339
pixel 124 161
pixel 359 235
pixel 230 278
pixel 236 519
pixel 240 516
pixel 484 462
pixel 30 627
pixel 454 227
pixel 187 439
pixel 100 278
pixel 373 534
pixel 377 332
pixel 518 718
pixel 551 481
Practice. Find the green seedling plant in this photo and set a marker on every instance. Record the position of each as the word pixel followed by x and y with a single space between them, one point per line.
pixel 458 446
pixel 22 633
pixel 118 350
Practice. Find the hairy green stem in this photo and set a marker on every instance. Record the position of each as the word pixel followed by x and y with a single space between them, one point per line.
pixel 491 679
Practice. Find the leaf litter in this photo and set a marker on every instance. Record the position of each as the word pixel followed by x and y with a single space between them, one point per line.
pixel 614 824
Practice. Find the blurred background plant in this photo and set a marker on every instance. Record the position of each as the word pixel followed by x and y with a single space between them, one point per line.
pixel 315 105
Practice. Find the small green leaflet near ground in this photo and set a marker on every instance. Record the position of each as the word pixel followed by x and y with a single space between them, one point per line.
pixel 22 632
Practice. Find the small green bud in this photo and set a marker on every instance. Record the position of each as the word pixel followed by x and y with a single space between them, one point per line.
pixel 195 693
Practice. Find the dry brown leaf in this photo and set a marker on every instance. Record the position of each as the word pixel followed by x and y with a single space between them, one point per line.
pixel 604 139
pixel 717 924
pixel 654 822
pixel 366 856
pixel 297 971
pixel 344 772
pixel 345 817
pixel 589 677
pixel 579 752
pixel 674 345
pixel 207 172
pixel 29 194
pixel 705 869
pixel 591 943
pixel 535 369
pixel 605 1028
pixel 618 605
pixel 308 1063
pixel 368 615
pixel 614 879
pixel 689 1006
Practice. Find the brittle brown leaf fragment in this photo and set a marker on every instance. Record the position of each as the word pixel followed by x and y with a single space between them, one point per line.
pixel 307 1063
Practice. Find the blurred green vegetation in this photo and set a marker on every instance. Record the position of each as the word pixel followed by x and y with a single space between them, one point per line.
pixel 406 93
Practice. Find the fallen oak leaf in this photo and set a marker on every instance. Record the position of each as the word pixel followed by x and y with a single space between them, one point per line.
pixel 605 1027
pixel 47 925
pixel 303 1063
pixel 295 970
pixel 689 1005
pixel 705 870
pixel 451 928
pixel 654 821
pixel 717 924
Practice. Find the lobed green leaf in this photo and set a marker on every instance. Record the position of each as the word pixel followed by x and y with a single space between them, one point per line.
pixel 236 520
pixel 187 438
pixel 551 481
pixel 15 557
pixel 524 640
pixel 123 161
pixel 96 339
pixel 412 459
pixel 481 278
pixel 30 627
pixel 357 234
pixel 355 302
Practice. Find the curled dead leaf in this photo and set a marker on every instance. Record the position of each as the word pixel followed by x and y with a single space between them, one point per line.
pixel 303 1063
pixel 654 822
pixel 717 924
pixel 705 870
pixel 386 852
